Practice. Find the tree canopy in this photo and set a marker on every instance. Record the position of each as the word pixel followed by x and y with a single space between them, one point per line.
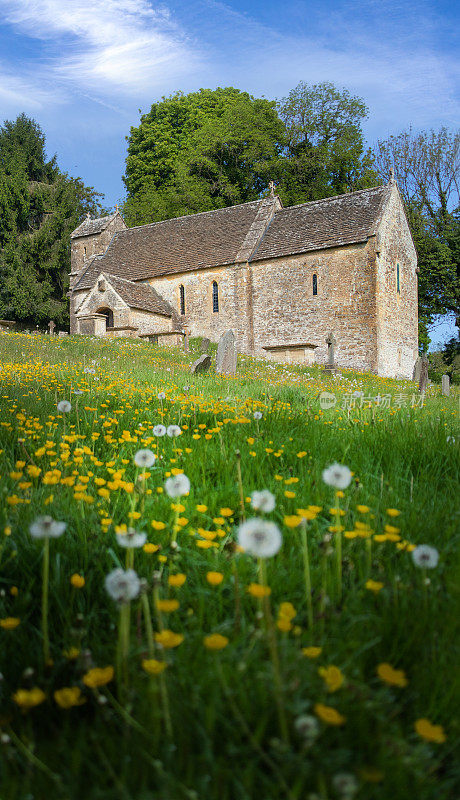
pixel 39 208
pixel 200 151
pixel 427 168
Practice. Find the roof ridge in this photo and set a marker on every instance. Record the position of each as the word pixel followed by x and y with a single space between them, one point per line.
pixel 190 216
pixel 333 197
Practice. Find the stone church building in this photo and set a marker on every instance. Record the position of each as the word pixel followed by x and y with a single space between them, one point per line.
pixel 283 279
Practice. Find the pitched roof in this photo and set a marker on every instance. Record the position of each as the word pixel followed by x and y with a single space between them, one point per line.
pixel 334 221
pixel 91 226
pixel 209 239
pixel 140 295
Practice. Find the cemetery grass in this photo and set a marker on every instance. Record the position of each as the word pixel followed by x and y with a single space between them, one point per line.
pixel 332 671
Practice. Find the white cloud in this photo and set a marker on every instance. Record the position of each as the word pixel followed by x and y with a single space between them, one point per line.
pixel 23 92
pixel 122 45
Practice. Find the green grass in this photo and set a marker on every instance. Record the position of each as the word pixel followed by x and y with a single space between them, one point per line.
pixel 226 739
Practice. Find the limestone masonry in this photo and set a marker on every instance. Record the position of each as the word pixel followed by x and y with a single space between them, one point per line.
pixel 283 279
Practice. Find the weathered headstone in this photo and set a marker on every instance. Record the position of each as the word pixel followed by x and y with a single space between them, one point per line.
pixel 227 354
pixel 62 333
pixel 331 342
pixel 417 369
pixel 204 344
pixel 202 364
pixel 445 385
pixel 423 382
pixel 51 326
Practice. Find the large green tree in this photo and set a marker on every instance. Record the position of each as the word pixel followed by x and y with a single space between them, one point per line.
pixel 200 151
pixel 39 208
pixel 427 168
pixel 325 153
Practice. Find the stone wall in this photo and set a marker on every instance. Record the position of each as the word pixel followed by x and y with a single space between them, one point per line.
pixel 397 317
pixel 285 311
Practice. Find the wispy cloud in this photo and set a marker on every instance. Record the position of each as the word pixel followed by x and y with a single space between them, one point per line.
pixel 106 45
pixel 24 91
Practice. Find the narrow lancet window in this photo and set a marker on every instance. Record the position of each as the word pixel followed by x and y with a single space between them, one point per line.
pixel 182 299
pixel 315 284
pixel 398 287
pixel 215 297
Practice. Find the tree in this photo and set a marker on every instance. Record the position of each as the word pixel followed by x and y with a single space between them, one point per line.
pixel 324 153
pixel 39 208
pixel 196 152
pixel 427 168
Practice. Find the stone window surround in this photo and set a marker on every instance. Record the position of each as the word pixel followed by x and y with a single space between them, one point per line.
pixel 215 297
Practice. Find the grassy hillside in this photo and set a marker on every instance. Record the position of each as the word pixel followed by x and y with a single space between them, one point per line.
pixel 325 670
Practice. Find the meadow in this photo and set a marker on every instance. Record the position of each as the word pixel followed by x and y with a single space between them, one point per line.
pixel 219 588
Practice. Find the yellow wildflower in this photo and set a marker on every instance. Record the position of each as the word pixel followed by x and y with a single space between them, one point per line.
pixel 312 652
pixel 328 714
pixel 153 666
pixel 28 698
pixel 98 676
pixel 394 677
pixel 176 580
pixel 9 623
pixel 215 641
pixel 150 548
pixel 393 512
pixel 225 512
pixel 258 590
pixel 169 639
pixel 292 521
pixel 214 578
pixel 77 581
pixel 69 696
pixel 287 610
pixel 332 676
pixel 167 605
pixel 374 586
pixel 430 732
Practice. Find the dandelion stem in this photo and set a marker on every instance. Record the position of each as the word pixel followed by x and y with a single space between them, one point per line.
pixel 306 569
pixel 45 584
pixel 271 638
pixel 148 625
pixel 240 484
pixel 338 550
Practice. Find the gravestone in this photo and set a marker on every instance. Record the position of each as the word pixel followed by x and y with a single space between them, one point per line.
pixel 445 385
pixel 204 344
pixel 51 326
pixel 186 337
pixel 423 382
pixel 227 355
pixel 202 364
pixel 417 369
pixel 62 333
pixel 331 342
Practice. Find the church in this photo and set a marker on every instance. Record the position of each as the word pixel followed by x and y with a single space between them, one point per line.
pixel 287 281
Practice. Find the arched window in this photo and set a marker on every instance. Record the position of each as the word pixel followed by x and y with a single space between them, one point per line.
pixel 398 287
pixel 215 296
pixel 315 284
pixel 182 299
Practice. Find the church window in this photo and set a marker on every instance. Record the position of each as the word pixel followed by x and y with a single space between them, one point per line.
pixel 182 299
pixel 84 250
pixel 215 296
pixel 398 286
pixel 315 284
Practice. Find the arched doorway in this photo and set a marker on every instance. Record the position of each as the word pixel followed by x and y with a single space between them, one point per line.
pixel 108 314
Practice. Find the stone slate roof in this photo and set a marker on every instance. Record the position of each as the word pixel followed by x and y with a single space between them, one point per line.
pixel 209 239
pixel 139 295
pixel 91 226
pixel 252 231
pixel 334 221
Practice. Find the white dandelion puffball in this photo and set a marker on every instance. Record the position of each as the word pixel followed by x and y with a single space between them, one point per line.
pixel 307 726
pixel 159 430
pixel 161 395
pixel 263 501
pixel 144 458
pixel 337 475
pixel 131 538
pixel 177 486
pixel 122 585
pixel 345 784
pixel 64 406
pixel 257 415
pixel 260 538
pixel 46 528
pixel 425 556
pixel 173 430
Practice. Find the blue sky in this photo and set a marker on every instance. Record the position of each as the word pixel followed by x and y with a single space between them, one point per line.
pixel 84 68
